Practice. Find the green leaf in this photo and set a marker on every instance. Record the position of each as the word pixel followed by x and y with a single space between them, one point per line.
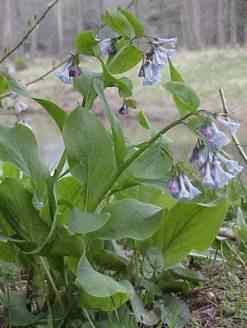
pixel 17 209
pixel 120 146
pixel 136 24
pixel 84 85
pixel 125 59
pixel 124 85
pixel 174 73
pixel 155 163
pixel 4 86
pixel 130 219
pixel 143 120
pixel 98 290
pixel 16 87
pixel 69 193
pixel 90 154
pixel 145 317
pixel 86 42
pixel 57 113
pixel 148 194
pixel 131 103
pixel 185 98
pixel 118 23
pixel 10 171
pixel 18 315
pixel 83 222
pixel 18 146
pixel 189 227
pixel 174 312
pixel 8 253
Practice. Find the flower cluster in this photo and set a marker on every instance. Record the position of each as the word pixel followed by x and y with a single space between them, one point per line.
pixel 156 59
pixel 216 168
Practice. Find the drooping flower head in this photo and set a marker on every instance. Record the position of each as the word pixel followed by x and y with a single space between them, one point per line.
pixel 156 59
pixel 180 187
pixel 230 125
pixel 107 47
pixel 68 72
pixel 20 107
pixel 214 136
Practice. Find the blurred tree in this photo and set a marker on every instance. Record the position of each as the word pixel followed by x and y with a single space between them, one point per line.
pixel 233 22
pixel 221 35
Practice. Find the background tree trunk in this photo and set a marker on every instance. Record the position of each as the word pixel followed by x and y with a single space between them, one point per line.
pixel 60 28
pixel 221 35
pixel 233 23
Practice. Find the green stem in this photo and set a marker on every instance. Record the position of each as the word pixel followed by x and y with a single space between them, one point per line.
pixel 140 152
pixel 50 278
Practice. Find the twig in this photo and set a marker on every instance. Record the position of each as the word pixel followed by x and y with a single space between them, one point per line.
pixel 41 77
pixel 29 32
pixel 234 138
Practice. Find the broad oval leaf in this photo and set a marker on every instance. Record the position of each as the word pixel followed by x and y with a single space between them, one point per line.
pixel 189 227
pixel 84 222
pixel 184 96
pixel 131 219
pixel 125 59
pixel 90 153
pixel 136 24
pixel 100 291
pixel 57 113
pixel 118 23
pixel 86 42
pixel 18 146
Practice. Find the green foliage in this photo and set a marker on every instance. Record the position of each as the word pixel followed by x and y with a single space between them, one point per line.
pixel 98 290
pixel 125 59
pixel 86 43
pixel 182 227
pixel 101 233
pixel 131 219
pixel 90 154
pixel 185 98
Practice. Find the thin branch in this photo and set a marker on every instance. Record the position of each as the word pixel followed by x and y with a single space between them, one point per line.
pixel 53 69
pixel 41 77
pixel 29 32
pixel 234 137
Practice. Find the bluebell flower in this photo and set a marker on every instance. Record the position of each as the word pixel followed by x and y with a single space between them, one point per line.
pixel 174 187
pixel 207 175
pixel 156 59
pixel 68 72
pixel 214 136
pixel 151 74
pixel 62 73
pixel 230 125
pixel 193 191
pixel 20 107
pixel 180 187
pixel 199 155
pixel 233 167
pixel 107 47
pixel 220 176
